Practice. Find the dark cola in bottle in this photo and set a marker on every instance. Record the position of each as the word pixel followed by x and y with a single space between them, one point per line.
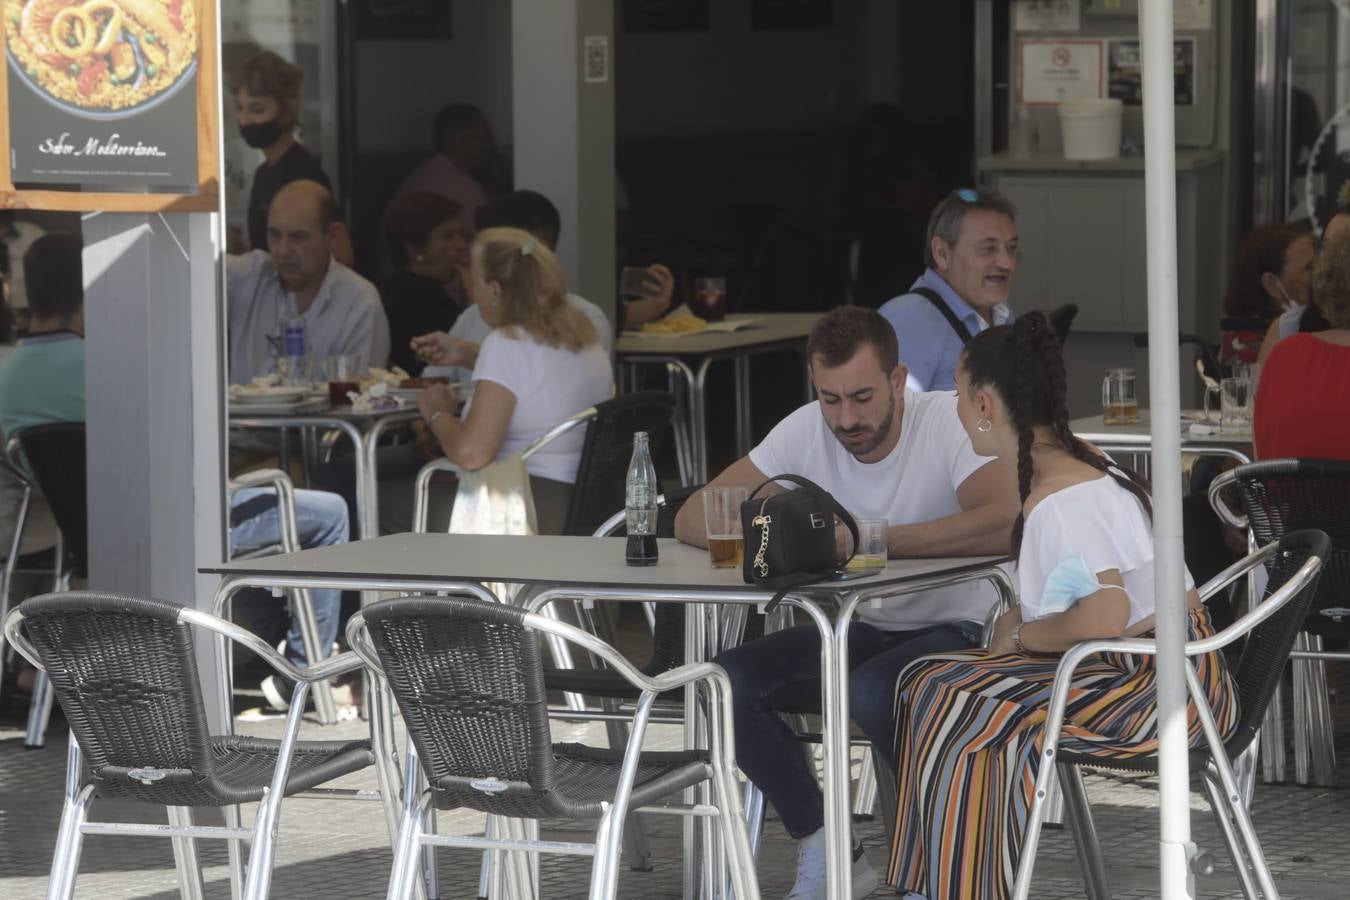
pixel 640 504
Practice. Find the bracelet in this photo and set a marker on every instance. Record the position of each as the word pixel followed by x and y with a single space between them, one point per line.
pixel 1017 640
pixel 431 420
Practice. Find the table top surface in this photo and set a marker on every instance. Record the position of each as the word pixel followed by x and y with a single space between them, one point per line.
pixel 767 328
pixel 571 561
pixel 344 413
pixel 1091 428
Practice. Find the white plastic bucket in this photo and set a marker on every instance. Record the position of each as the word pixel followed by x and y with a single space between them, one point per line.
pixel 1091 128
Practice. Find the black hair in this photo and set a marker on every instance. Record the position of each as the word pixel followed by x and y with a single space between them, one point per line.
pixel 1023 363
pixel 411 219
pixel 54 276
pixel 449 122
pixel 527 210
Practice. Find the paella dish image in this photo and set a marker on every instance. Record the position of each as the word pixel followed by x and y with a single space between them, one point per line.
pixel 101 57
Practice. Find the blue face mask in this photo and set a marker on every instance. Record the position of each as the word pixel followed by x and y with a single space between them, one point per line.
pixel 1067 583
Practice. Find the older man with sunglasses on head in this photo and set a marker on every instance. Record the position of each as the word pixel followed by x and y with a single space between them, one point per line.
pixel 971 257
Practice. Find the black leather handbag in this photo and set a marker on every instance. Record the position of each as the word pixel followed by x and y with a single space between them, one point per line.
pixel 789 537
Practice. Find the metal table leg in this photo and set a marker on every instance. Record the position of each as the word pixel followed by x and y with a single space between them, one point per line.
pixel 743 425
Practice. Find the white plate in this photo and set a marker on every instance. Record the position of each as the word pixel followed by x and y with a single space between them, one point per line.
pixel 267 396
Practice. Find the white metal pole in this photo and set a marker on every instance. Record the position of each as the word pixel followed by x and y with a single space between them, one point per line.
pixel 1155 31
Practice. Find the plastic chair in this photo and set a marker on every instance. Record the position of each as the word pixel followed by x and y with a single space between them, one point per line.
pixel 1279 496
pixel 468 680
pixel 125 670
pixel 1294 565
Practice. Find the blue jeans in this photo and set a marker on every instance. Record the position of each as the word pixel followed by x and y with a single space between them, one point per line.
pixel 782 671
pixel 320 521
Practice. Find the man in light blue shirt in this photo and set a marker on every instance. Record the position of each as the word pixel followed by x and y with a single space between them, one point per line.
pixel 971 257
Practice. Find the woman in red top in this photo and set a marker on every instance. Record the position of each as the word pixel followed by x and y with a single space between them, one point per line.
pixel 1303 400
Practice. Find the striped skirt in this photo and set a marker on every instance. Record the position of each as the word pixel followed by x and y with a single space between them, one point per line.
pixel 968 745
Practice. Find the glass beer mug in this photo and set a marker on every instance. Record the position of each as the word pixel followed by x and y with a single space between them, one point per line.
pixel 1120 403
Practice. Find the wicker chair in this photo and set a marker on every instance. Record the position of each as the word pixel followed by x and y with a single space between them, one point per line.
pixel 1280 496
pixel 605 454
pixel 55 454
pixel 125 671
pixel 49 563
pixel 1294 565
pixel 467 677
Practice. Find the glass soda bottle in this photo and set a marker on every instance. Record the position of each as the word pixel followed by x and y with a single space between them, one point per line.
pixel 640 504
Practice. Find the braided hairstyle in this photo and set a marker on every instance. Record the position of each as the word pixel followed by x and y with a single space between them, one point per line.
pixel 1023 363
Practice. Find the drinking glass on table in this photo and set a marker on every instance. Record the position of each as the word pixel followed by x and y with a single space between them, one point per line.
pixel 872 545
pixel 1120 403
pixel 722 518
pixel 1236 399
pixel 343 372
pixel 710 298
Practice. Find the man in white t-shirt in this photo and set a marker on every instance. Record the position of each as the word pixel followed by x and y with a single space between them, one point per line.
pixel 884 453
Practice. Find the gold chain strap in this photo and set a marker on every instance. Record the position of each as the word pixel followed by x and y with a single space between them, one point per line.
pixel 762 521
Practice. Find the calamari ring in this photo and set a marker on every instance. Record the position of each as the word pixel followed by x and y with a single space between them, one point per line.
pixel 112 32
pixel 86 31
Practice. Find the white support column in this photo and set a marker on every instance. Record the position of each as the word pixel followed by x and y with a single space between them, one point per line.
pixel 563 130
pixel 1175 849
pixel 154 353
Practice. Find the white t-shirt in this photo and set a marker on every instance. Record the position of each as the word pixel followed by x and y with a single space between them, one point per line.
pixel 1099 521
pixel 551 384
pixel 915 483
pixel 469 326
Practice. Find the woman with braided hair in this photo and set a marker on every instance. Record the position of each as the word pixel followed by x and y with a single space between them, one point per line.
pixel 970 724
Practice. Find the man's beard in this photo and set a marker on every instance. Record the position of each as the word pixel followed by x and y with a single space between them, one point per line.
pixel 878 434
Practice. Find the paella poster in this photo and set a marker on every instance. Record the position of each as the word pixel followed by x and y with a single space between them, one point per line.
pixel 103 93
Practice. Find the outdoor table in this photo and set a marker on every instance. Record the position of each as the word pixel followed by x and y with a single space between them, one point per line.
pixel 1138 440
pixel 588 569
pixel 363 429
pixel 692 354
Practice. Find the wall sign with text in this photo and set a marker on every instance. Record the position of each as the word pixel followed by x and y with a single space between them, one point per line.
pixel 103 95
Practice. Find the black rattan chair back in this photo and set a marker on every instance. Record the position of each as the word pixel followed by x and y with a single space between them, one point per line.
pixel 125 673
pixel 607 451
pixel 1258 673
pixel 1285 495
pixel 468 680
pixel 55 454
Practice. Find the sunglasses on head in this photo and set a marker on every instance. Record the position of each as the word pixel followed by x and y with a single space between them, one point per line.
pixel 967 195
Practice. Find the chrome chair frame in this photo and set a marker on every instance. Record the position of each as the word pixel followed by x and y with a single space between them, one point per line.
pixel 43 698
pixel 78 797
pixel 1221 784
pixel 300 600
pixel 605 850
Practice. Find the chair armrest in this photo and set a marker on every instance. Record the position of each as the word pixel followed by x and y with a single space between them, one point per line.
pixel 558 431
pixel 1221 508
pixel 327 668
pixel 281 483
pixel 273 478
pixel 320 671
pixel 422 486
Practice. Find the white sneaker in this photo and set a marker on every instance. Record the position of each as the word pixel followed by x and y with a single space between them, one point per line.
pixel 810 883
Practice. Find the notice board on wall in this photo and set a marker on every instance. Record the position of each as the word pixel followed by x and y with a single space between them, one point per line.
pixel 109 104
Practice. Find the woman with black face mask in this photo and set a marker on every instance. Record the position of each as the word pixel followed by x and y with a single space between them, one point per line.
pixel 267 107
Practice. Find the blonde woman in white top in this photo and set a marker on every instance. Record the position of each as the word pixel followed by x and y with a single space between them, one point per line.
pixel 542 363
